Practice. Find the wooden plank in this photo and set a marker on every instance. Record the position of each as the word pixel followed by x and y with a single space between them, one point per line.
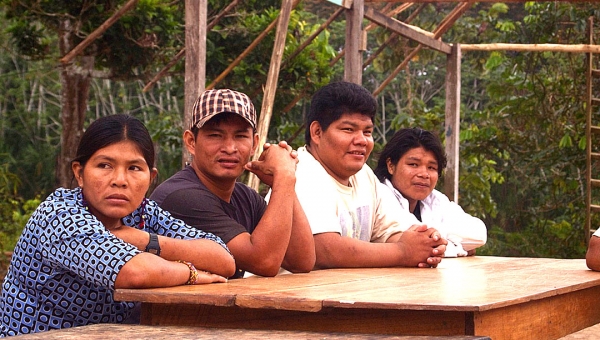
pixel 98 31
pixel 195 60
pixel 435 1
pixel 584 334
pixel 120 331
pixel 353 54
pixel 452 122
pixel 405 30
pixel 266 111
pixel 548 318
pixel 575 48
pixel 400 322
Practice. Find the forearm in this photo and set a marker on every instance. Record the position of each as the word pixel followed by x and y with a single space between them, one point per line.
pixel 269 240
pixel 300 254
pixel 335 251
pixel 204 254
pixel 592 257
pixel 149 271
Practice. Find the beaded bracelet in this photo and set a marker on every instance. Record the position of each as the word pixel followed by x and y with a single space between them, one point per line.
pixel 193 273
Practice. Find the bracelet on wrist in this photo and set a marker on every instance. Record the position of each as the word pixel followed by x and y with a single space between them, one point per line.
pixel 193 272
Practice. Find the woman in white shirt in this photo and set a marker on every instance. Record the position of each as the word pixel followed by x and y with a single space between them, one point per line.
pixel 410 165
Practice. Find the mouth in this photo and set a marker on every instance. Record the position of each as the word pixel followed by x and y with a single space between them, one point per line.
pixel 421 185
pixel 118 198
pixel 228 162
pixel 357 153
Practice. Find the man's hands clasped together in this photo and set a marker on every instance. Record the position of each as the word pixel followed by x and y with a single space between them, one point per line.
pixel 274 159
pixel 423 247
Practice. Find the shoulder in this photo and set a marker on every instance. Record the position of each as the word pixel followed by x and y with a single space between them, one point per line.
pixel 437 197
pixel 242 190
pixel 365 179
pixel 181 184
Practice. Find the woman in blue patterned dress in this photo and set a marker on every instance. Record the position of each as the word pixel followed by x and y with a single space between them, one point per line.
pixel 81 244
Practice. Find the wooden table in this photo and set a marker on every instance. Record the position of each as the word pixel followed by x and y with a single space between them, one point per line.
pixel 504 298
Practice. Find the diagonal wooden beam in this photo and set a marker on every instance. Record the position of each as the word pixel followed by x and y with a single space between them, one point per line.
pixel 98 32
pixel 438 32
pixel 181 53
pixel 406 30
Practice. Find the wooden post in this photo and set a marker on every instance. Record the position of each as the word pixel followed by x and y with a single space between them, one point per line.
pixel 266 111
pixel 195 59
pixel 452 128
pixel 354 36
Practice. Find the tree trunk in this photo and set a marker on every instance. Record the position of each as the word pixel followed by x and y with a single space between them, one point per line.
pixel 75 84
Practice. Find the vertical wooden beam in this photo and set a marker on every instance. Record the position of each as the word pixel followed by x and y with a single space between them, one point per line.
pixel 266 111
pixel 354 37
pixel 588 134
pixel 195 59
pixel 452 128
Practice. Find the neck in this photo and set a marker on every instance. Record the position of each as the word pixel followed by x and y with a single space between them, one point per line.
pixel 221 188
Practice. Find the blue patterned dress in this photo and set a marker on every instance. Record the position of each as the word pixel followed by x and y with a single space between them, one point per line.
pixel 64 266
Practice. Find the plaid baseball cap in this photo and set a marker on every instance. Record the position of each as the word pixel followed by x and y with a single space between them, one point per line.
pixel 212 102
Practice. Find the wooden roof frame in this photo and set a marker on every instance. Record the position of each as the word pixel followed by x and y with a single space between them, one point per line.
pixel 196 28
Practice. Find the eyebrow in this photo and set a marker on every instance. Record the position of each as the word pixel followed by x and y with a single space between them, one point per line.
pixel 112 159
pixel 218 129
pixel 419 158
pixel 351 123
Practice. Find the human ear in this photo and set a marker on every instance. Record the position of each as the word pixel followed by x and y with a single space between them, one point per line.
pixel 315 132
pixel 189 141
pixel 254 142
pixel 390 166
pixel 153 173
pixel 78 173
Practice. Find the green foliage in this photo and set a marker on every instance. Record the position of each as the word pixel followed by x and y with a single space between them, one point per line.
pixel 14 211
pixel 522 168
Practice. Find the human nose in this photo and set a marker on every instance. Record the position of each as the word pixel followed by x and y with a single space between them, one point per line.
pixel 423 173
pixel 119 178
pixel 360 138
pixel 229 145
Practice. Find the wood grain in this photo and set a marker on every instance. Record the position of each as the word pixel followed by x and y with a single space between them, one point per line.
pixel 505 298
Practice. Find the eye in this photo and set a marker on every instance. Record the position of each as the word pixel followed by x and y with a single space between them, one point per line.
pixel 368 132
pixel 135 168
pixel 103 165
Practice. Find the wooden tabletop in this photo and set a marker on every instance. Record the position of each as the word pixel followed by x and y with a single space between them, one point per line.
pixel 471 284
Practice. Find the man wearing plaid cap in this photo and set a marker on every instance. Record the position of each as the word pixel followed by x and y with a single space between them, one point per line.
pixel 206 194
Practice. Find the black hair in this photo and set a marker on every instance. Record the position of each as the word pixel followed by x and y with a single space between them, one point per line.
pixel 333 100
pixel 112 129
pixel 405 140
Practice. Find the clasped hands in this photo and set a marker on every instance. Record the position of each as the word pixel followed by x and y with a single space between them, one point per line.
pixel 420 242
pixel 273 160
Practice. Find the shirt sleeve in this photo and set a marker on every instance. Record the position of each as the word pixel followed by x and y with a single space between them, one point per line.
pixel 318 198
pixel 77 242
pixel 202 211
pixel 163 223
pixel 390 218
pixel 457 224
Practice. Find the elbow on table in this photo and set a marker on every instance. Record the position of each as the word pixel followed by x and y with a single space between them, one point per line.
pixel 267 267
pixel 303 265
pixel 592 262
pixel 228 269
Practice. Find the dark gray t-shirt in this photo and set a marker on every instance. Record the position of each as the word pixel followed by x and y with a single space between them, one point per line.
pixel 188 199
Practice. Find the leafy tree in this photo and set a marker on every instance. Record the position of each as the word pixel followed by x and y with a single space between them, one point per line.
pixel 50 29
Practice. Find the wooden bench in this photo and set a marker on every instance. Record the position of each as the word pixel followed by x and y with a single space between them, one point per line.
pixel 592 332
pixel 116 331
